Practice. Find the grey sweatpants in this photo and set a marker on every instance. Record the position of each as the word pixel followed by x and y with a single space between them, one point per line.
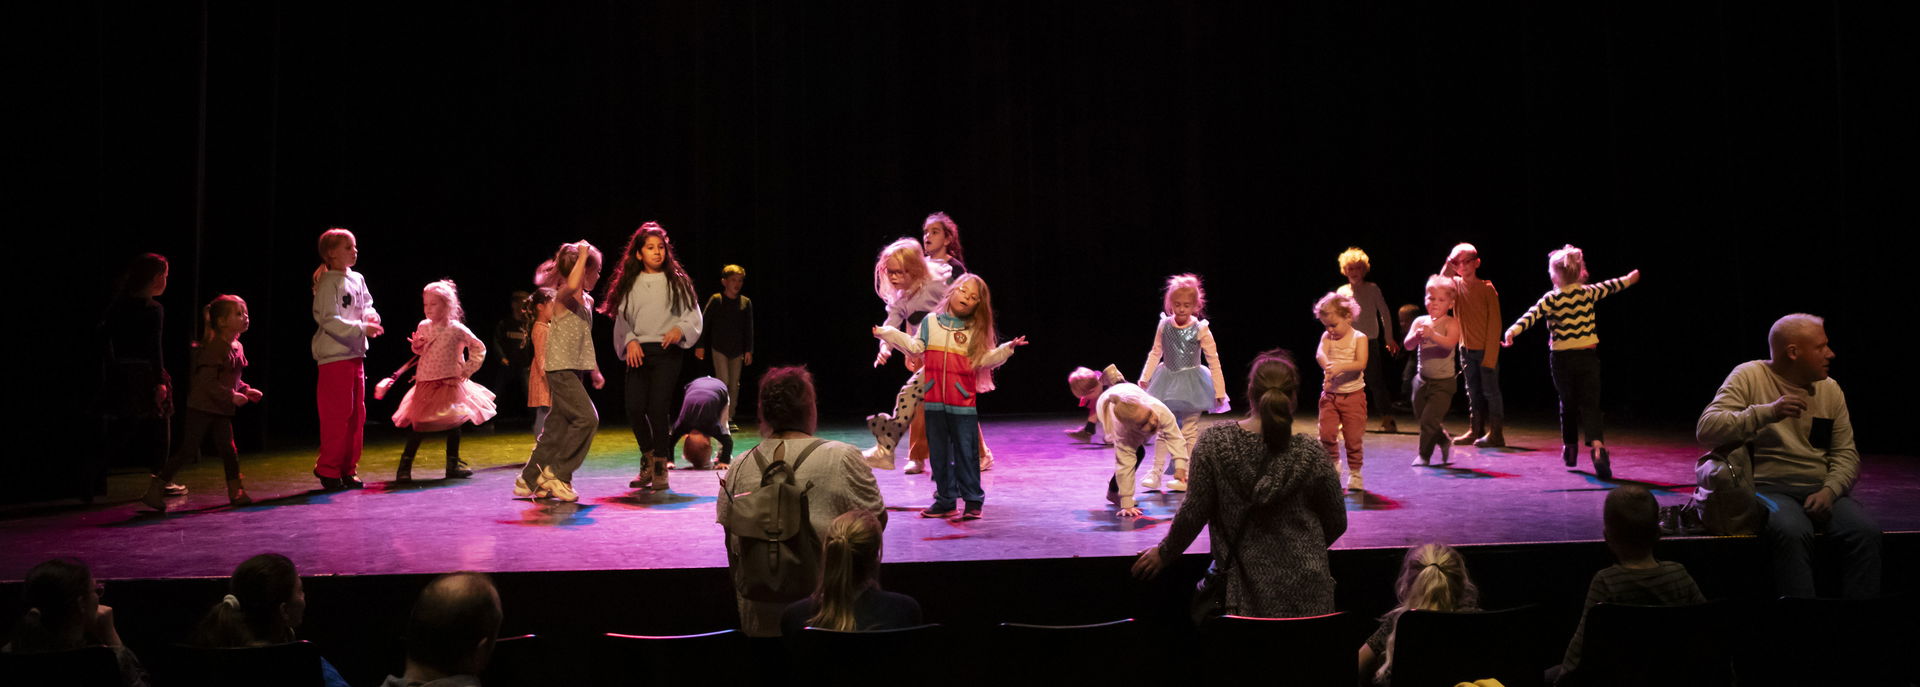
pixel 569 429
pixel 1431 400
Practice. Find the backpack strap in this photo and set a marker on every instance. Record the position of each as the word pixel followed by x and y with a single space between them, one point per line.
pixel 793 469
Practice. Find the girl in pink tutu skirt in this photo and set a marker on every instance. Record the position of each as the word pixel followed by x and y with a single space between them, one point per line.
pixel 443 398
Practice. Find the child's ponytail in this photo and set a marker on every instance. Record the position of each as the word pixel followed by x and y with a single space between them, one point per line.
pixel 849 564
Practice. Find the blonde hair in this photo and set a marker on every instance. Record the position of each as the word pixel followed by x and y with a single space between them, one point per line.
pixel 732 271
pixel 211 314
pixel 451 294
pixel 1353 255
pixel 329 240
pixel 981 322
pixel 1183 282
pixel 849 565
pixel 1433 577
pixel 1334 300
pixel 1567 266
pixel 1083 382
pixel 1444 284
pixel 912 260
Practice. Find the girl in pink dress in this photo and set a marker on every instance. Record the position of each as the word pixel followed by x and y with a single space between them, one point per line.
pixel 443 398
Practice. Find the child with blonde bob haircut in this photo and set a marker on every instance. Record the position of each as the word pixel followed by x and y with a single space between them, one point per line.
pixel 1435 339
pixel 1174 372
pixel 1343 355
pixel 1571 313
pixel 903 280
pixel 1131 417
pixel 958 350
pixel 1433 577
pixel 849 597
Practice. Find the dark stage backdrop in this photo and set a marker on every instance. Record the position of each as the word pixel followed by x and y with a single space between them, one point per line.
pixel 1752 161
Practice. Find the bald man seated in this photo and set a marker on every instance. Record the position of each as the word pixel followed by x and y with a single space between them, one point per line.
pixel 1794 418
pixel 451 633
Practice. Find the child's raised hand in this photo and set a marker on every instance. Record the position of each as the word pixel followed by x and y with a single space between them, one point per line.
pixel 254 395
pixel 1633 277
pixel 634 355
pixel 1018 341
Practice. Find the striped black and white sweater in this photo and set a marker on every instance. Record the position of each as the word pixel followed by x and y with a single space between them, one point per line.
pixel 1571 319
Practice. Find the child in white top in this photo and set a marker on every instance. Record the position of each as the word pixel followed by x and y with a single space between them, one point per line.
pixel 444 396
pixel 1130 416
pixel 1342 354
pixel 1174 373
pixel 1433 338
pixel 343 308
pixel 904 282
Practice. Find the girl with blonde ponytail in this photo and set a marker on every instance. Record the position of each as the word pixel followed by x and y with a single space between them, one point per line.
pixel 1432 578
pixel 849 597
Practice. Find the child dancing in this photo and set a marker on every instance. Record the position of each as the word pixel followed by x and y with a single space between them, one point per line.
pixel 1131 416
pixel 568 434
pixel 1573 332
pixel 1174 374
pixel 902 279
pixel 214 393
pixel 1343 396
pixel 1434 338
pixel 444 396
pixel 957 347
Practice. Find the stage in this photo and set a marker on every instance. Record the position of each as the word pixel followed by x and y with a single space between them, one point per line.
pixel 1045 500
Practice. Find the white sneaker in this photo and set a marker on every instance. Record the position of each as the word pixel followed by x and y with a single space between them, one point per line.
pixel 1354 483
pixel 522 491
pixel 915 467
pixel 1151 482
pixel 878 458
pixel 561 491
pixel 1420 461
pixel 1174 484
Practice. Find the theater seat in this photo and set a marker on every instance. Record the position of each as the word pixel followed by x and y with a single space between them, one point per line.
pixel 1438 648
pixel 1283 651
pixel 1687 645
pixel 1066 654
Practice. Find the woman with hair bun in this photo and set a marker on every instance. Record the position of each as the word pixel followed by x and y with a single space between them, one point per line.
pixel 1275 565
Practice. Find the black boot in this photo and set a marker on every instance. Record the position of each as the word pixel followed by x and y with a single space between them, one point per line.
pixel 405 473
pixel 1602 463
pixel 457 468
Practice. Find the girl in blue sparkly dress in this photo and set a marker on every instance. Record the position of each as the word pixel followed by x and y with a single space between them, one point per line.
pixel 1175 373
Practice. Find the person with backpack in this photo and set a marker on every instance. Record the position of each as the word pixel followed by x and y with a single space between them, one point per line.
pixel 779 499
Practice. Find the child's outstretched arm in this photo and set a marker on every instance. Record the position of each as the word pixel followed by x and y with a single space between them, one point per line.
pixel 890 337
pixel 1616 284
pixel 998 355
pixel 1527 320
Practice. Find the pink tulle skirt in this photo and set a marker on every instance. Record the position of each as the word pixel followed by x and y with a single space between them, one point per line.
pixel 442 404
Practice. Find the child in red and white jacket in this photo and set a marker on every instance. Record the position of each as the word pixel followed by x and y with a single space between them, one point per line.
pixel 958 354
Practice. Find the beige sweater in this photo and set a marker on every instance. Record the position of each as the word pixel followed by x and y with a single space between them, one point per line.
pixel 1785 453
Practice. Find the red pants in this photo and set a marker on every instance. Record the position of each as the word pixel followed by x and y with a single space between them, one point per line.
pixel 341 396
pixel 1343 415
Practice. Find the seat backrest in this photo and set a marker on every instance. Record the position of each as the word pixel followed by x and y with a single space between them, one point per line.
pixel 1313 649
pixel 295 664
pixel 1441 648
pixel 1847 641
pixel 88 666
pixel 671 659
pixel 873 657
pixel 1064 654
pixel 1658 645
pixel 520 660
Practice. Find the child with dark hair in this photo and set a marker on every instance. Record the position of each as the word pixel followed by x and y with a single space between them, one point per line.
pixel 1632 525
pixel 264 605
pixel 64 613
pixel 136 395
